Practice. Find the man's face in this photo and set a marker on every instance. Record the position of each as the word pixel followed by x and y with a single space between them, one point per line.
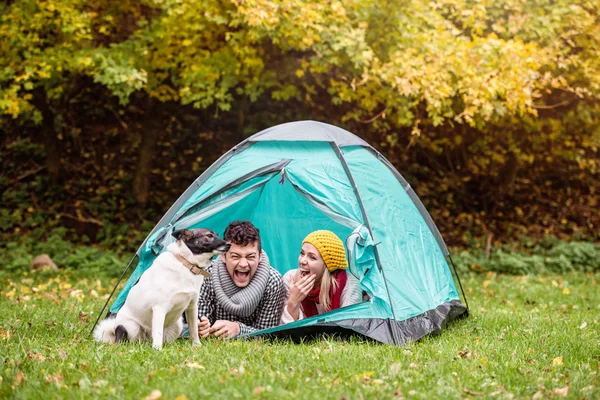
pixel 241 263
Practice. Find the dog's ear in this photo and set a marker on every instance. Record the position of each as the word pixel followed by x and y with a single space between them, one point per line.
pixel 182 233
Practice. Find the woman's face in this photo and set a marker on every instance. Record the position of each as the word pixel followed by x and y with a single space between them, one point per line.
pixel 310 262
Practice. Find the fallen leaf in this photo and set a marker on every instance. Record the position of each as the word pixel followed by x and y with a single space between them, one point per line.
pixel 472 393
pixel 464 354
pixel 486 283
pixel 537 395
pixel 83 316
pixel 193 364
pixel 398 393
pixel 40 357
pixel 412 392
pixel 395 369
pixel 562 392
pixel 566 291
pixel 154 395
pixel 84 382
pixel 412 365
pixel 54 378
pixel 557 361
pixel 583 326
pixel 258 390
pixel 181 397
pixel 20 378
pixel 147 378
pixel 62 354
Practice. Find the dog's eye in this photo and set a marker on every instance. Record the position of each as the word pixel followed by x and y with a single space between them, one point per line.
pixel 210 236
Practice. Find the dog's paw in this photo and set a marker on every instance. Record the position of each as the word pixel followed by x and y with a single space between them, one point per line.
pixel 196 343
pixel 157 346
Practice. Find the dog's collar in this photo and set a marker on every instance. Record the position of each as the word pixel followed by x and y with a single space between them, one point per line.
pixel 194 269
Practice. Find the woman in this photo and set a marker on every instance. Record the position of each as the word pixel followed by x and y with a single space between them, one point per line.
pixel 320 283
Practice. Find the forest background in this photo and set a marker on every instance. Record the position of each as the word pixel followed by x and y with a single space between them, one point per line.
pixel 490 109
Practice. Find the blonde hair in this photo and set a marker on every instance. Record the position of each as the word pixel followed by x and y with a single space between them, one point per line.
pixel 326 282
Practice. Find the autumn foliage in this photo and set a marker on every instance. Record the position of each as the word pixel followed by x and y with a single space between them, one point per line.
pixel 490 109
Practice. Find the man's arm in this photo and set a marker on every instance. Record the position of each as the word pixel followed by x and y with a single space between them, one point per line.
pixel 270 308
pixel 206 308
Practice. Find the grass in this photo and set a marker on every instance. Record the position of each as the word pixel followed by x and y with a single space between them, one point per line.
pixel 533 336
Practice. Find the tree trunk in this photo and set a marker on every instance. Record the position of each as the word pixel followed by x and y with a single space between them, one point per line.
pixel 48 136
pixel 508 174
pixel 150 135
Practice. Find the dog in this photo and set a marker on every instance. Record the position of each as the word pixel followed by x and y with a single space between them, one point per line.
pixel 168 288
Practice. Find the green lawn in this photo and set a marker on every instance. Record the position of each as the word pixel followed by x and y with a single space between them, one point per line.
pixel 527 337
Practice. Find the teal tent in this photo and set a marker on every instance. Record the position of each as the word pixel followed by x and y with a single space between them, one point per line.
pixel 294 178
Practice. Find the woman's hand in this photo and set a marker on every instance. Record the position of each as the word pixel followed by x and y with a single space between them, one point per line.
pixel 298 292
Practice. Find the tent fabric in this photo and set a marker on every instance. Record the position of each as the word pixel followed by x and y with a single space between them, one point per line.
pixel 292 179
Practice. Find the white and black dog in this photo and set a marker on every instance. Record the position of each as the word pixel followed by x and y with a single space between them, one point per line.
pixel 170 286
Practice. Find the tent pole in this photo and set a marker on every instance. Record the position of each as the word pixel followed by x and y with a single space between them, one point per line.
pixel 113 292
pixel 340 155
pixel 459 284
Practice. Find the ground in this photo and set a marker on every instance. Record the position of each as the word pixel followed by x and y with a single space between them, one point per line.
pixel 533 336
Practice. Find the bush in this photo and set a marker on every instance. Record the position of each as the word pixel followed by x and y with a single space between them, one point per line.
pixel 17 255
pixel 547 256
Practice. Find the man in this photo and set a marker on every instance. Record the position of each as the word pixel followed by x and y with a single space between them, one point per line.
pixel 244 293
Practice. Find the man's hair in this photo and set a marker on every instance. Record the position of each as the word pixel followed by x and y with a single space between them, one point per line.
pixel 242 233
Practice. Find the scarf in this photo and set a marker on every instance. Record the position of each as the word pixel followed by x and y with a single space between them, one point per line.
pixel 309 304
pixel 240 301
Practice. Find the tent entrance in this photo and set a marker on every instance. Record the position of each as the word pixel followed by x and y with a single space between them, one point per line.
pixel 283 211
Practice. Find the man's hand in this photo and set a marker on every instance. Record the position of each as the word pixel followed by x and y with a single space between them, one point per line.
pixel 203 327
pixel 225 329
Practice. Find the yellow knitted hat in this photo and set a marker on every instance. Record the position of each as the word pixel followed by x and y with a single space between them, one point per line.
pixel 331 248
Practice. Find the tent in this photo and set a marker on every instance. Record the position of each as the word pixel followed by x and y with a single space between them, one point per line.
pixel 294 178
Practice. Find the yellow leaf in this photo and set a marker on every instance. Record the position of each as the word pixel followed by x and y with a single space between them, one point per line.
pixel 181 397
pixel 566 291
pixel 483 360
pixel 186 43
pixel 486 283
pixel 194 365
pixel 154 395
pixel 557 361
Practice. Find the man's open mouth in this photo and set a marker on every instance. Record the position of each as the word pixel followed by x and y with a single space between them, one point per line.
pixel 241 274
